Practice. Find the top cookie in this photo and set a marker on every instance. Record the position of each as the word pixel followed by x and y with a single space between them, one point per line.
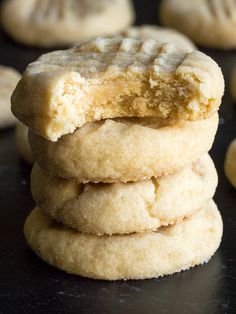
pixel 116 77
pixel 161 34
pixel 207 22
pixel 9 77
pixel 65 22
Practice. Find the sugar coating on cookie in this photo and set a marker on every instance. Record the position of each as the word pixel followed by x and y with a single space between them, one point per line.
pixel 230 163
pixel 122 208
pixel 123 150
pixel 137 256
pixel 207 22
pixel 116 77
pixel 22 143
pixel 160 33
pixel 50 23
pixel 9 77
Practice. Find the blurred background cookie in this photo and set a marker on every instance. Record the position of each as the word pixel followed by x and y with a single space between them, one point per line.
pixel 22 143
pixel 230 163
pixel 161 34
pixel 233 84
pixel 58 23
pixel 9 77
pixel 208 23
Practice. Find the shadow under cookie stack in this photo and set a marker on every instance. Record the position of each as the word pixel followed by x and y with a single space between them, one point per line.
pixel 120 130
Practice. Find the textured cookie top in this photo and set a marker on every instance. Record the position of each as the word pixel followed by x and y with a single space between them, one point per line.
pixel 159 33
pixel 39 10
pixel 63 8
pixel 208 8
pixel 116 77
pixel 102 56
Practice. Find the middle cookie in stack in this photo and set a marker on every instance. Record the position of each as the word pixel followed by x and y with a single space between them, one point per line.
pixel 131 193
pixel 122 208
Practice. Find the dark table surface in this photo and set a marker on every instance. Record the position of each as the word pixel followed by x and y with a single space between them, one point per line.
pixel 28 285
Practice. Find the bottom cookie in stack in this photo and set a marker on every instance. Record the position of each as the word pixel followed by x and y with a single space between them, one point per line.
pixel 168 250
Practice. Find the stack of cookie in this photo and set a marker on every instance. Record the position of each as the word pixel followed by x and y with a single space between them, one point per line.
pixel 120 130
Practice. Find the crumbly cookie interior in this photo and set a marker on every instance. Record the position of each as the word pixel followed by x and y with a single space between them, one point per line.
pixel 76 102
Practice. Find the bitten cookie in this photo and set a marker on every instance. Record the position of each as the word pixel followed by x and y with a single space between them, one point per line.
pixel 124 149
pixel 22 143
pixel 159 33
pixel 123 208
pixel 207 22
pixel 8 80
pixel 230 163
pixel 116 77
pixel 137 256
pixel 66 22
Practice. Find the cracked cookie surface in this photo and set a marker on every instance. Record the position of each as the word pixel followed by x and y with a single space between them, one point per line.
pixel 122 208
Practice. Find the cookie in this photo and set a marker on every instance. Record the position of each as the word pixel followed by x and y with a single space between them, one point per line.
pixel 230 163
pixel 22 143
pixel 124 150
pixel 233 84
pixel 137 256
pixel 159 33
pixel 116 77
pixel 8 80
pixel 47 23
pixel 207 22
pixel 123 208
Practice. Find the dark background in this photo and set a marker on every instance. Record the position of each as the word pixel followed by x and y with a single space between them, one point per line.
pixel 28 285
